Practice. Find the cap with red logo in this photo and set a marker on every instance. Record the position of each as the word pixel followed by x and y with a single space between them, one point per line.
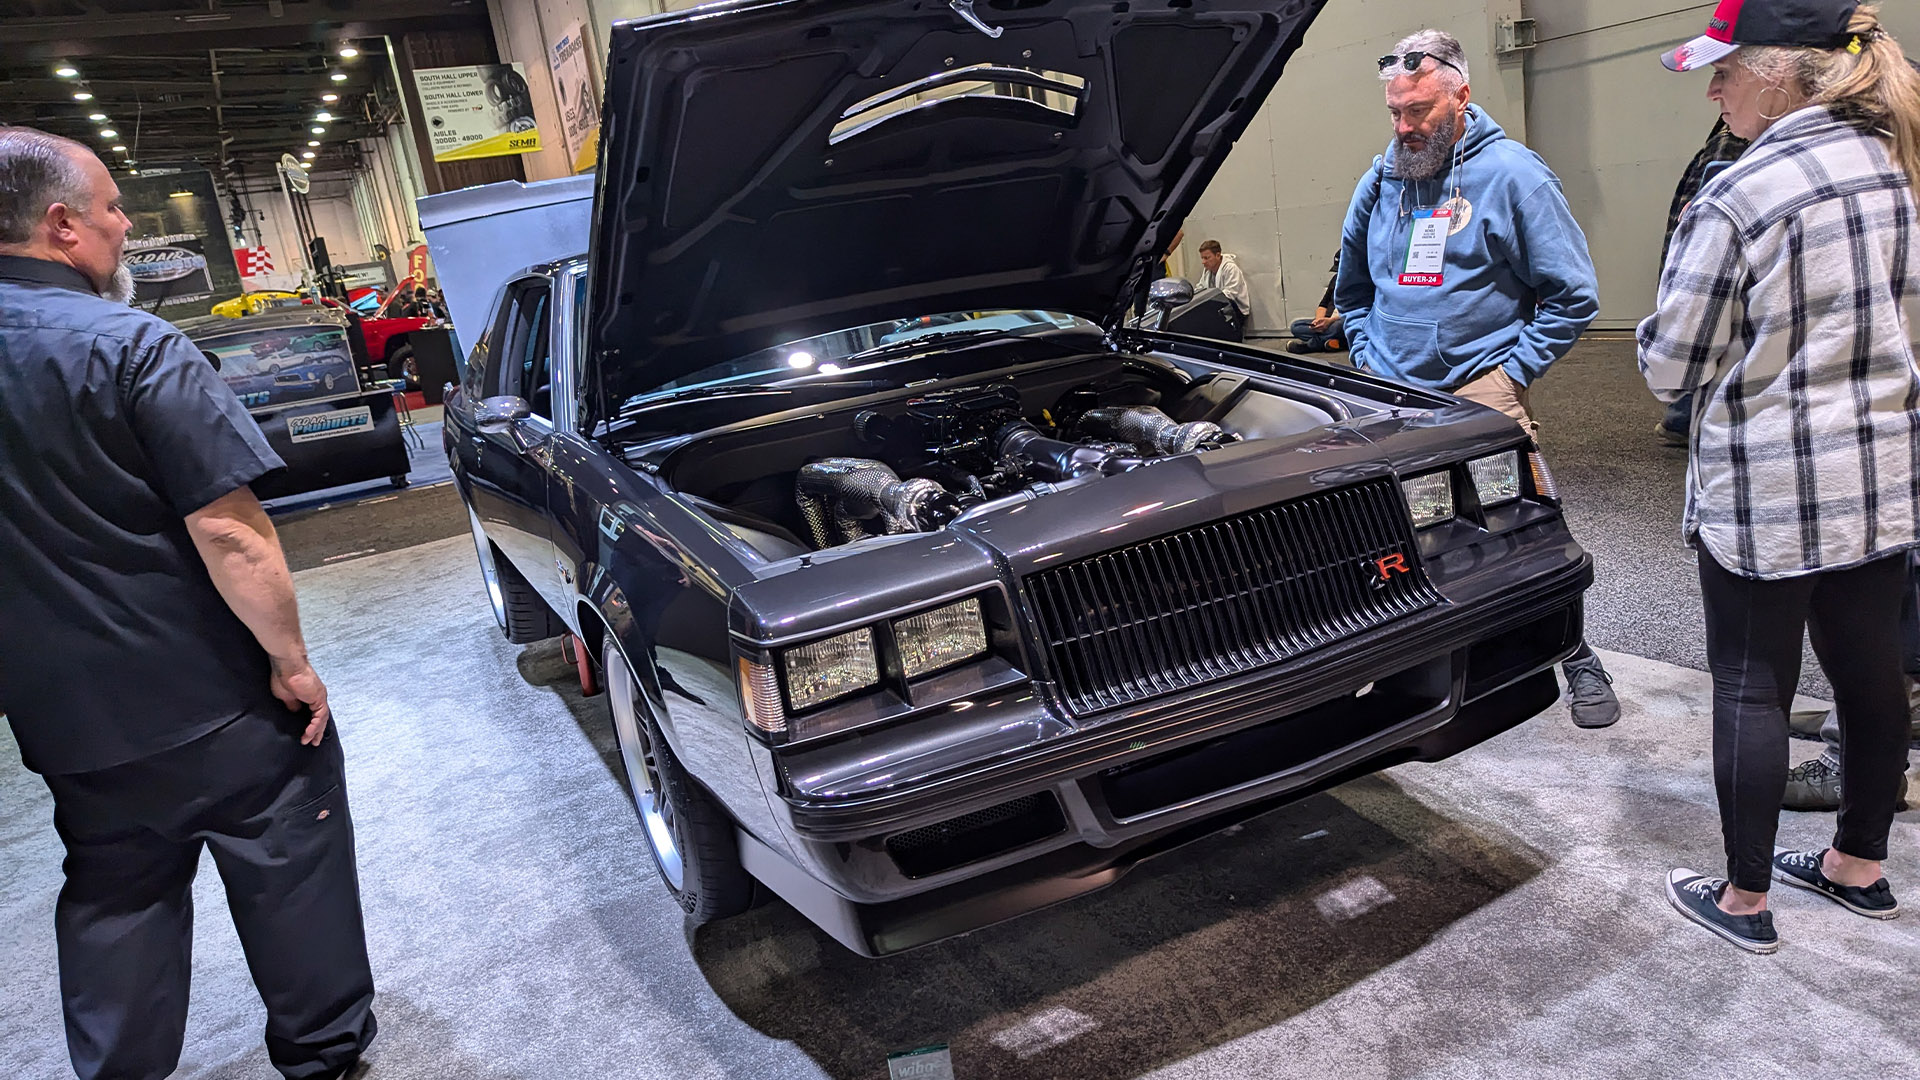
pixel 1814 24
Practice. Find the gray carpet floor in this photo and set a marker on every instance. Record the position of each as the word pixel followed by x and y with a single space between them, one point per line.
pixel 1494 915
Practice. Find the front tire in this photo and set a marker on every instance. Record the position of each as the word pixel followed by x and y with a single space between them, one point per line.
pixel 690 837
pixel 402 365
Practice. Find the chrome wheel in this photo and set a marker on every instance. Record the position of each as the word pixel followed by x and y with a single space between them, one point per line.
pixel 489 571
pixel 643 769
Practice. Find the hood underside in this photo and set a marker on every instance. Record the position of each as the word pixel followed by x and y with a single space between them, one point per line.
pixel 775 169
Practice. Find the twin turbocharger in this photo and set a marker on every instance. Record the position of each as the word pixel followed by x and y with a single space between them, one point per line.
pixel 839 497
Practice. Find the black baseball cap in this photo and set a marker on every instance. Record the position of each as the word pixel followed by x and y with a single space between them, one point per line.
pixel 1814 24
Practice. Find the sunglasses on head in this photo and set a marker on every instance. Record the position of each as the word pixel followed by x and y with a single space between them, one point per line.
pixel 1413 60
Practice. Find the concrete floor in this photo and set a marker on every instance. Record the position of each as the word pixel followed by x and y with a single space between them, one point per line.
pixel 1493 915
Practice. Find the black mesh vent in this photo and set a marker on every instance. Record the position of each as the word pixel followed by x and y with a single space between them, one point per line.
pixel 1194 607
pixel 976 836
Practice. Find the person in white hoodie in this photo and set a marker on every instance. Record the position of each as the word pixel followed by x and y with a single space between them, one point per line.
pixel 1223 272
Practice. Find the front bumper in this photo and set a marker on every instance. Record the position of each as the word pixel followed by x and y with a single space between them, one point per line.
pixel 902 869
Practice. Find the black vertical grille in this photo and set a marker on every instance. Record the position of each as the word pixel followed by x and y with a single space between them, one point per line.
pixel 1239 594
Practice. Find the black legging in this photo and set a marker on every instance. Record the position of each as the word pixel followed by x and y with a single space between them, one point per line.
pixel 1754 631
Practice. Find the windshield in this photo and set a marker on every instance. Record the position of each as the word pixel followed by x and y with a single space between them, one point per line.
pixel 823 355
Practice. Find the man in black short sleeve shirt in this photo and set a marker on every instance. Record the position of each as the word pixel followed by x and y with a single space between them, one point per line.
pixel 151 662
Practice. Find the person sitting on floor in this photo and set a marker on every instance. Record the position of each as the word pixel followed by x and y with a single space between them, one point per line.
pixel 1325 332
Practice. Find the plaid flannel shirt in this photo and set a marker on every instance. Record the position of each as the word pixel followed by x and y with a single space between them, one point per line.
pixel 1788 301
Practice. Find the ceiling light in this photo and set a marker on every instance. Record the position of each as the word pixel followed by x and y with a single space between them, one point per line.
pixel 338 77
pixel 96 117
pixel 135 172
pixel 329 97
pixel 67 71
pixel 109 133
pixel 308 155
pixel 119 149
pixel 182 193
pixel 82 95
pixel 319 131
pixel 313 142
pixel 306 164
pixel 324 116
pixel 349 51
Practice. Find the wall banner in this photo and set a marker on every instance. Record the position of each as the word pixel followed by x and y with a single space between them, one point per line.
pixel 476 112
pixel 579 97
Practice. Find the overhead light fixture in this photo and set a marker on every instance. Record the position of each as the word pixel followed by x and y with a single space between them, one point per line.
pixel 82 95
pixel 338 76
pixel 96 117
pixel 319 131
pixel 323 116
pixel 180 193
pixel 329 97
pixel 306 164
pixel 313 142
pixel 133 172
pixel 349 52
pixel 119 149
pixel 67 71
pixel 308 155
pixel 109 133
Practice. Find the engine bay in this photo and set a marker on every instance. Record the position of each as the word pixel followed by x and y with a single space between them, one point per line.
pixel 915 460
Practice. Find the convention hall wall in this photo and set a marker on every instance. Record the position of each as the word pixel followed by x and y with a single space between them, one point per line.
pixel 1620 134
pixel 1592 99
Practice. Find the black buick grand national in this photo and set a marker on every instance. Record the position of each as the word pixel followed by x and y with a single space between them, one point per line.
pixel 927 592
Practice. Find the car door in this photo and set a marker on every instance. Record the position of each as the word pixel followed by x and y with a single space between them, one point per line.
pixel 511 465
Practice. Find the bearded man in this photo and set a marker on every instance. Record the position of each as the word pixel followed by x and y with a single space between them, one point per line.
pixel 1462 268
pixel 152 665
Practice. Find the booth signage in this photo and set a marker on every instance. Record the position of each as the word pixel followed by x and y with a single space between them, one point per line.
pixel 297 177
pixel 169 270
pixel 284 365
pixel 579 97
pixel 477 112
pixel 417 263
pixel 329 425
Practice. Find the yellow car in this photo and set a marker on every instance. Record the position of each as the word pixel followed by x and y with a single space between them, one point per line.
pixel 253 303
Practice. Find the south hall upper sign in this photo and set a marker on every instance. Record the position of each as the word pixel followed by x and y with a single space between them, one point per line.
pixel 475 112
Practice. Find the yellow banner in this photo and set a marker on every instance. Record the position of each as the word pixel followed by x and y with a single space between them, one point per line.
pixel 502 145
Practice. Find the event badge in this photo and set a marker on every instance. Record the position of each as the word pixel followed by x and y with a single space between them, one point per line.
pixel 1427 249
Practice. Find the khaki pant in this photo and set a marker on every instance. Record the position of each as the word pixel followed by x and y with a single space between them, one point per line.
pixel 1497 390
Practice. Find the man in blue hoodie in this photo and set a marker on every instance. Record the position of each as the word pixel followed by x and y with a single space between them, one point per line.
pixel 1462 268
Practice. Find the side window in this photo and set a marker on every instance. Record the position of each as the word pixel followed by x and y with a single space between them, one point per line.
pixel 521 361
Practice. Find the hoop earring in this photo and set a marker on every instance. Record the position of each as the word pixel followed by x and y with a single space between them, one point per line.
pixel 1775 116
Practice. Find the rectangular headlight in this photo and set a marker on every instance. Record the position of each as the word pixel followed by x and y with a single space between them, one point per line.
pixel 832 669
pixel 940 638
pixel 1496 478
pixel 1430 497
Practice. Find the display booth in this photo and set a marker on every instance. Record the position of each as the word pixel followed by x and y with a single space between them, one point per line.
pixel 297 373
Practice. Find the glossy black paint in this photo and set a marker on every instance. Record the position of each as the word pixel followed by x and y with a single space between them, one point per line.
pixel 621 552
pixel 1008 204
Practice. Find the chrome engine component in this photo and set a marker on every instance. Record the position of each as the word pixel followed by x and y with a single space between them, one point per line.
pixel 1151 431
pixel 848 492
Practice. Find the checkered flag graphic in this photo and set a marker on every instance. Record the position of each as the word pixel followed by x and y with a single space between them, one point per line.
pixel 254 261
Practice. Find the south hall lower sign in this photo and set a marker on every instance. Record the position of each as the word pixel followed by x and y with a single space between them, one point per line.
pixel 477 112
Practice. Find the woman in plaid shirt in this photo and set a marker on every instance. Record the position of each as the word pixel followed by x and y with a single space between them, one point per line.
pixel 1787 302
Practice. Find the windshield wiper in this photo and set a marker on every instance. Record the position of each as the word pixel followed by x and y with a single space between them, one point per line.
pixel 916 342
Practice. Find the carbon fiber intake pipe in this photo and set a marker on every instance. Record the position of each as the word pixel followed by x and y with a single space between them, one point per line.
pixel 1151 431
pixel 845 492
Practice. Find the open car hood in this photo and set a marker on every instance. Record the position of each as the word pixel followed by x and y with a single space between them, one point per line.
pixel 775 169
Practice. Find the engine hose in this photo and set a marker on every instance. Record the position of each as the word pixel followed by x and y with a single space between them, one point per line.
pixel 1151 431
pixel 813 511
pixel 858 490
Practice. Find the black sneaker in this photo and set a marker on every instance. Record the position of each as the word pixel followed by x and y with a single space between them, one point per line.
pixel 1801 869
pixel 1590 696
pixel 1298 348
pixel 1697 897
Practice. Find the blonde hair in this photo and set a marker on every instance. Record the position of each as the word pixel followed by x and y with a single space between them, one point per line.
pixel 1872 84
